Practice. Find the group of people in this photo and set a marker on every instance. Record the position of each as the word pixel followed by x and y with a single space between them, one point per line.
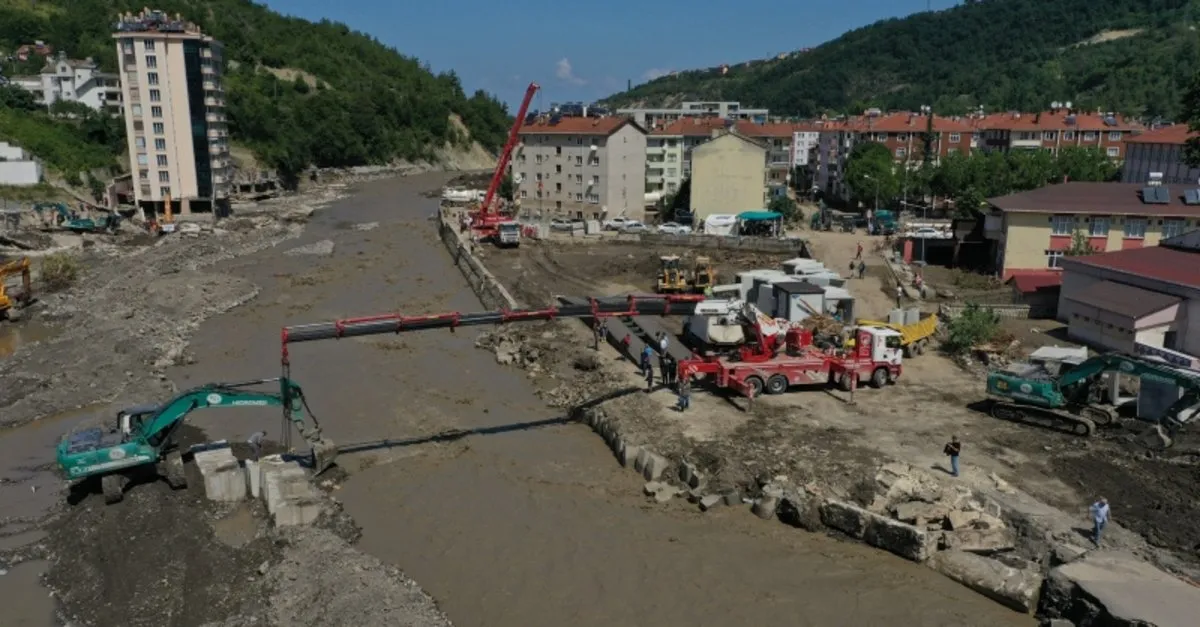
pixel 668 368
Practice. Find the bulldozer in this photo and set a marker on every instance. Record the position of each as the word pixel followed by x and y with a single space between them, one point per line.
pixel 11 301
pixel 671 276
pixel 703 276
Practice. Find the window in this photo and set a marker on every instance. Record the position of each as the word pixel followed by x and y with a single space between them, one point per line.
pixel 1089 137
pixel 156 112
pixel 155 95
pixel 593 198
pixel 158 128
pixel 142 160
pixel 140 142
pixel 1113 151
pixel 137 109
pixel 151 62
pixel 164 177
pixel 162 161
pixel 578 160
pixel 671 187
pixel 558 204
pixel 1114 136
pixel 538 159
pixel 1098 227
pixel 579 196
pixel 558 187
pixel 148 45
pixel 1049 135
pixel 955 138
pixel 1054 258
pixel 1135 227
pixel 1069 136
pixel 152 78
pixel 558 169
pixel 160 144
pixel 900 152
pixel 127 46
pixel 1172 227
pixel 539 176
pixel 1062 225
pixel 558 150
pixel 880 137
pixel 671 171
pixel 951 151
pixel 524 194
pixel 671 157
pixel 594 161
pixel 164 191
pixel 144 175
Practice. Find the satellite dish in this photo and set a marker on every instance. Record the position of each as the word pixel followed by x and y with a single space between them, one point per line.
pixel 1068 104
pixel 1055 104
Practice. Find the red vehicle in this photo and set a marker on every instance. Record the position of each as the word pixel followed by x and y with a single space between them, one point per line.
pixel 875 358
pixel 487 222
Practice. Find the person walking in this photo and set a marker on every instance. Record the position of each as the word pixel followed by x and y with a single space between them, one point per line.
pixel 649 376
pixel 1099 519
pixel 647 369
pixel 858 254
pixel 662 343
pixel 663 366
pixel 953 449
pixel 862 269
pixel 255 443
pixel 671 372
pixel 899 295
pixel 685 395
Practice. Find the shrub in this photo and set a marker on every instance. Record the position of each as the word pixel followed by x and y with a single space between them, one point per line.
pixel 976 325
pixel 59 271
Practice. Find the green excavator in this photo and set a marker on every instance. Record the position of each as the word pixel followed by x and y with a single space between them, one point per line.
pixel 1073 398
pixel 144 435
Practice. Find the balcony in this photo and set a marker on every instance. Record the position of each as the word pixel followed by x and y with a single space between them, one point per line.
pixel 215 118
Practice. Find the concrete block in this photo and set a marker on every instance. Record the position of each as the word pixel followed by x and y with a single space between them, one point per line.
pixel 224 479
pixel 968 519
pixel 654 466
pixel 801 508
pixel 1015 588
pixel 845 517
pixel 732 498
pixel 1066 553
pixel 628 455
pixel 912 511
pixel 653 487
pixel 902 539
pixel 710 501
pixel 980 540
pixel 1120 589
pixel 253 479
pixel 639 462
pixel 302 511
pixel 765 507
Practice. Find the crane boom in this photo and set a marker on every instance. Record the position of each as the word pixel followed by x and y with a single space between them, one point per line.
pixel 486 216
pixel 676 305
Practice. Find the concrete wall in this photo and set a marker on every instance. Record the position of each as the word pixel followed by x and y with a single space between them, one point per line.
pixel 181 164
pixel 728 176
pixel 624 192
pixel 20 173
pixel 1187 317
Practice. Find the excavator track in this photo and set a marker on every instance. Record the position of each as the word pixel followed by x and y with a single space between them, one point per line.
pixel 1049 418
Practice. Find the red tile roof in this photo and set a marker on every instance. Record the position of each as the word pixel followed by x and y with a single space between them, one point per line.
pixel 576 126
pixel 1174 134
pixel 692 127
pixel 750 129
pixel 1029 281
pixel 1161 263
pixel 1094 199
pixel 1052 121
pixel 904 122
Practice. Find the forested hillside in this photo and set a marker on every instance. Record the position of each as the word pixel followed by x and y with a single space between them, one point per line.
pixel 1134 56
pixel 341 99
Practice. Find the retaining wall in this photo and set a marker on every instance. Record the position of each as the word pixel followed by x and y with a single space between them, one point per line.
pixel 489 290
pixel 1021 312
pixel 788 246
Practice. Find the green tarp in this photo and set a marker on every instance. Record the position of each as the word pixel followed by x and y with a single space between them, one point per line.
pixel 750 216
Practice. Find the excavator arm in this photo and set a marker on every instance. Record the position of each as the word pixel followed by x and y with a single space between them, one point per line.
pixel 160 425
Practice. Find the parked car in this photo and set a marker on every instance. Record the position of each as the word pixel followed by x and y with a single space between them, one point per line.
pixel 674 228
pixel 927 232
pixel 560 224
pixel 616 224
pixel 578 224
pixel 633 226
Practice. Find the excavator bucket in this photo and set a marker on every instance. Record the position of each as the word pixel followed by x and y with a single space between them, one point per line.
pixel 324 454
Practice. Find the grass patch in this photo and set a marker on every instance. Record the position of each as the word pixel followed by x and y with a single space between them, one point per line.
pixel 59 272
pixel 42 192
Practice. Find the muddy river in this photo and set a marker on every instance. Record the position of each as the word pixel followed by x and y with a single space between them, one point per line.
pixel 522 527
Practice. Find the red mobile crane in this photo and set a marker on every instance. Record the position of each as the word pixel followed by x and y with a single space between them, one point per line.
pixel 487 220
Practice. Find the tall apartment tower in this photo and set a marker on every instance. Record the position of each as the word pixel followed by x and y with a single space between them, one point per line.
pixel 174 113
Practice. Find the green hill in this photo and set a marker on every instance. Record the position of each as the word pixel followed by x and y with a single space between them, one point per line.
pixel 1134 56
pixel 298 92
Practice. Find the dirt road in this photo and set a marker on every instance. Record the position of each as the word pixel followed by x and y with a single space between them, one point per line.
pixel 523 526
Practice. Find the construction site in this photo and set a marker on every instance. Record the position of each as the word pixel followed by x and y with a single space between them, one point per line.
pixel 422 416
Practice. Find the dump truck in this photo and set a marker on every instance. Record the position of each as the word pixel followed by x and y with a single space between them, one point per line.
pixel 915 337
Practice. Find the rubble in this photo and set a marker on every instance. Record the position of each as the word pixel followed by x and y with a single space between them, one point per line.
pixel 1016 588
pixel 323 248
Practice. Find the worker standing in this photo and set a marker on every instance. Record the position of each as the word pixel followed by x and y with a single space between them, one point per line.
pixel 255 443
pixel 649 376
pixel 953 449
pixel 862 269
pixel 647 369
pixel 858 254
pixel 1099 519
pixel 663 366
pixel 672 370
pixel 899 295
pixel 685 395
pixel 662 343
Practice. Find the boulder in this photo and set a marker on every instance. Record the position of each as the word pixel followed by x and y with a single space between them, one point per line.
pixel 1015 588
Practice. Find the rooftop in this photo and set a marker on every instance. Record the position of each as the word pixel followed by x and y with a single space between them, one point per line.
pixel 907 122
pixel 1124 300
pixel 750 129
pixel 1174 134
pixel 576 126
pixel 1032 281
pixel 692 127
pixel 1058 120
pixel 1161 263
pixel 1098 199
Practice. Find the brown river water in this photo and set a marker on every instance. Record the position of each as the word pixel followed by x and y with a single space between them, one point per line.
pixel 521 527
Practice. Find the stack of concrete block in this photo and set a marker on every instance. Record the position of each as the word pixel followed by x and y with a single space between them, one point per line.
pixel 285 487
pixel 223 478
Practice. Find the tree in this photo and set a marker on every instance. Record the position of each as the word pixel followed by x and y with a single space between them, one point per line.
pixel 508 187
pixel 1191 115
pixel 871 174
pixel 1080 245
pixel 680 200
pixel 13 97
pixel 1086 164
pixel 786 207
pixel 974 326
pixel 802 180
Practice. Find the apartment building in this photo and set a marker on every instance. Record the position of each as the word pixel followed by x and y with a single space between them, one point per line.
pixel 1159 152
pixel 729 176
pixel 590 168
pixel 1054 130
pixel 653 118
pixel 73 80
pixel 778 138
pixel 669 151
pixel 174 113
pixel 1032 231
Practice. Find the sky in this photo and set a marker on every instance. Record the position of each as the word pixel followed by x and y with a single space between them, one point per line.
pixel 589 51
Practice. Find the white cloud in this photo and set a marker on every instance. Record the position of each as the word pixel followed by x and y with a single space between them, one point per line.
pixel 656 72
pixel 564 72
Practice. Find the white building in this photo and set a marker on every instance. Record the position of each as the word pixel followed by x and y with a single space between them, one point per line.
pixel 73 80
pixel 17 167
pixel 804 145
pixel 651 119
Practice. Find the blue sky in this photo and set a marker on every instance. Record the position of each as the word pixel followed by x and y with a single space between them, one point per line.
pixel 588 51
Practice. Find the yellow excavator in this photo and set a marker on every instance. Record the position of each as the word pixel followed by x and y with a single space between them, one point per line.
pixel 671 278
pixel 10 301
pixel 703 276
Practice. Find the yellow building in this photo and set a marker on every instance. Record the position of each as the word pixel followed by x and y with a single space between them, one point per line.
pixel 729 176
pixel 1033 231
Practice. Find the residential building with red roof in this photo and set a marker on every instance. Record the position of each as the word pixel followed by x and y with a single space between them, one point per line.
pixel 779 139
pixel 1031 232
pixel 1054 130
pixel 669 151
pixel 1141 300
pixel 581 167
pixel 1159 152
